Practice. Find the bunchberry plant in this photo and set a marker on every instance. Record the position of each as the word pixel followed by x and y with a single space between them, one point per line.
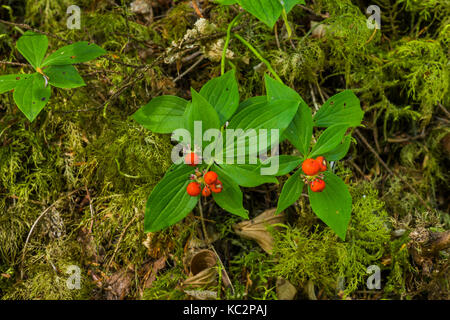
pixel 216 106
pixel 328 194
pixel 32 91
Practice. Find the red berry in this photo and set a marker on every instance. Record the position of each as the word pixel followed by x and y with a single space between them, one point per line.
pixel 206 191
pixel 317 185
pixel 322 163
pixel 193 189
pixel 210 177
pixel 310 167
pixel 191 159
pixel 216 187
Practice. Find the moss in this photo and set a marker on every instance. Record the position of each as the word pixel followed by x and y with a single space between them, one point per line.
pixel 368 236
pixel 165 286
pixel 302 254
pixel 47 274
pixel 426 83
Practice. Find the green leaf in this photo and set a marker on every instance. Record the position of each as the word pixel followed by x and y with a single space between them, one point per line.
pixel 162 114
pixel 200 110
pixel 33 47
pixel 245 177
pixel 74 53
pixel 64 76
pixel 328 140
pixel 279 91
pixel 9 81
pixel 291 192
pixel 169 202
pixel 267 11
pixel 286 164
pixel 270 115
pixel 333 205
pixel 257 100
pixel 299 131
pixel 230 199
pixel 342 108
pixel 289 4
pixel 31 95
pixel 340 151
pixel 223 94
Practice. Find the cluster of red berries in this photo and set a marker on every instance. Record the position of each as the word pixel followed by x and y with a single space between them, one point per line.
pixel 209 180
pixel 211 183
pixel 312 168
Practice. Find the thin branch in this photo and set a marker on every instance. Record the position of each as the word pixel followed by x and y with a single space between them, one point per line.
pixel 189 69
pixel 16 64
pixel 35 224
pixel 377 156
pixel 27 27
pixel 445 110
pixel 119 241
pixel 208 241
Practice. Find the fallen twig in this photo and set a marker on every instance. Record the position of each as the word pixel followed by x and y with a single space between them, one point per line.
pixel 212 247
pixel 196 63
pixel 119 241
pixel 35 224
pixel 27 27
pixel 377 156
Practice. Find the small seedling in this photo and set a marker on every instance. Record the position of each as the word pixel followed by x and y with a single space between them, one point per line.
pixel 31 92
pixel 328 194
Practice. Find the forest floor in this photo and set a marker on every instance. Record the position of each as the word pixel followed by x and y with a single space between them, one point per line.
pixel 74 183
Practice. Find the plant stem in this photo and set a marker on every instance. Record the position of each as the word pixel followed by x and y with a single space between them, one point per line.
pixel 258 55
pixel 227 41
pixel 209 244
pixel 286 22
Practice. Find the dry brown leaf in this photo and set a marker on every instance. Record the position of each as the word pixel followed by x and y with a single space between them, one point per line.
pixel 256 228
pixel 205 278
pixel 151 276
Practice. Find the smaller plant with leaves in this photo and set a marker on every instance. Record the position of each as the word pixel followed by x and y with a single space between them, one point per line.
pixel 328 194
pixel 32 91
